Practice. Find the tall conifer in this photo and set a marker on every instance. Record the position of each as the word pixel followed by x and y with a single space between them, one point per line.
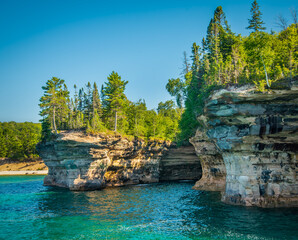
pixel 53 103
pixel 114 98
pixel 255 23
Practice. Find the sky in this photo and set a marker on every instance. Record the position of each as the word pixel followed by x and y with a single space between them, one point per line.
pixel 81 41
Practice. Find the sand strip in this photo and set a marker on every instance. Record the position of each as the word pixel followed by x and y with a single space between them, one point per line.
pixel 37 172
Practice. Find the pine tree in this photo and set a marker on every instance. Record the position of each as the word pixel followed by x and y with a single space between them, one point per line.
pixel 96 123
pixel 218 45
pixel 53 103
pixel 76 99
pixel 88 108
pixel 96 105
pixel 255 23
pixel 114 99
pixel 81 104
pixel 79 120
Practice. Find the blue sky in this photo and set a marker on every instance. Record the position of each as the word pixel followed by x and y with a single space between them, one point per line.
pixel 81 41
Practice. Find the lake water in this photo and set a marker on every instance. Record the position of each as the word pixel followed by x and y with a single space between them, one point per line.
pixel 29 210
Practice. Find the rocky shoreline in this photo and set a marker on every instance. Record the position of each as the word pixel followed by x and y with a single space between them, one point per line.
pixel 248 144
pixel 246 147
pixel 82 162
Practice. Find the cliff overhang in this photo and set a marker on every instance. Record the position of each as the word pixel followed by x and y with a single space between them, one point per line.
pixel 248 144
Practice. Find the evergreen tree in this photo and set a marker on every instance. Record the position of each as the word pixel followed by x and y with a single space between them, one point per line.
pixel 76 99
pixel 255 23
pixel 114 99
pixel 88 107
pixel 218 46
pixel 186 65
pixel 46 129
pixel 79 120
pixel 53 103
pixel 96 105
pixel 96 124
pixel 81 104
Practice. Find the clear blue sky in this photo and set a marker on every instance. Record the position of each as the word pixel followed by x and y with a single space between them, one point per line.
pixel 81 41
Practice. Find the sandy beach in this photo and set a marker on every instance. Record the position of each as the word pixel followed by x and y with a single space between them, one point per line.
pixel 26 167
pixel 37 172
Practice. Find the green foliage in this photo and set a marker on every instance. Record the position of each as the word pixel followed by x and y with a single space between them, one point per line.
pixel 226 58
pixel 223 58
pixel 96 104
pixel 46 129
pixel 53 103
pixel 175 87
pixel 110 111
pixel 96 123
pixel 115 101
pixel 255 23
pixel 259 52
pixel 18 140
pixel 88 103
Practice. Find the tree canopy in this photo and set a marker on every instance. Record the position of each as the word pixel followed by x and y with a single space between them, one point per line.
pixel 18 140
pixel 108 111
pixel 225 58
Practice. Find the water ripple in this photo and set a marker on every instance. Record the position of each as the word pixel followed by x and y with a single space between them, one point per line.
pixel 29 210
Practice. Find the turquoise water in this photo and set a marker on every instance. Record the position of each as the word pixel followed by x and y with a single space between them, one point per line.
pixel 29 210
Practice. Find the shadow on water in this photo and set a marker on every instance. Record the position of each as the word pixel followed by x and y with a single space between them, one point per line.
pixel 167 210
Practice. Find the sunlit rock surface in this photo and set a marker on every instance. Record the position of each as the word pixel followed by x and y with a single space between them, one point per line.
pixel 80 162
pixel 256 135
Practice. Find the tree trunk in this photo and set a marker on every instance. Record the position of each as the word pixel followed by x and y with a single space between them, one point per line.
pixel 267 80
pixel 115 121
pixel 54 122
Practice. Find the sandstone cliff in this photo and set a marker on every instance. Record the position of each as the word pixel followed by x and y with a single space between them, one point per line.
pixel 80 162
pixel 248 142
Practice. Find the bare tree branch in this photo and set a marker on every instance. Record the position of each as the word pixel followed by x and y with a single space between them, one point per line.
pixel 294 14
pixel 281 22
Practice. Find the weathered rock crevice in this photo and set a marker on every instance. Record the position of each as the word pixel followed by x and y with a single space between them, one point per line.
pixel 80 162
pixel 213 167
pixel 180 164
pixel 251 138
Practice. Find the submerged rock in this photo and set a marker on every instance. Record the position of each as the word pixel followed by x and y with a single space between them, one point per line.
pixel 80 162
pixel 251 139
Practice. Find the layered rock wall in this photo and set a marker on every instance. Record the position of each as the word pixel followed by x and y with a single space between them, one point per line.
pixel 80 162
pixel 256 135
pixel 180 164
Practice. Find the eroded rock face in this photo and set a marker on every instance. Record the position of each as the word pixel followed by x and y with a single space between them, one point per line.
pixel 213 167
pixel 256 135
pixel 180 164
pixel 81 162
